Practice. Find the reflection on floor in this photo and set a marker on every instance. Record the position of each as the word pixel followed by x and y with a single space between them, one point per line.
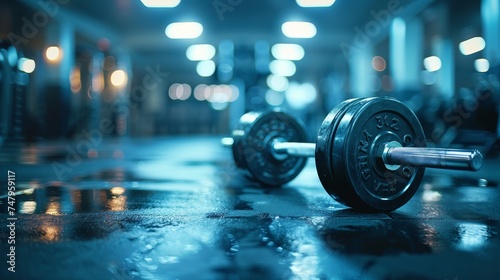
pixel 176 208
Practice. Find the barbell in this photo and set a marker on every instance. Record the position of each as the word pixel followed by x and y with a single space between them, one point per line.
pixel 370 153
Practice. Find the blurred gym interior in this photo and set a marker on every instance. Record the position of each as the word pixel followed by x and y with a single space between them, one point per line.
pixel 112 114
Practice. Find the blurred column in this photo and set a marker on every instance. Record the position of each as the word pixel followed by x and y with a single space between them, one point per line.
pixel 406 54
pixel 108 92
pixel 225 68
pixel 94 93
pixel 490 15
pixel 60 35
pixel 124 63
pixel 414 53
pixel 57 93
pixel 67 43
pixel 237 108
pixel 362 73
pixel 397 53
pixel 445 77
pixel 5 95
pixel 333 88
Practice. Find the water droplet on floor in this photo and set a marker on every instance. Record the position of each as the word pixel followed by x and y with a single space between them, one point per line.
pixel 167 259
pixel 150 267
pixel 482 183
pixel 136 256
pixel 235 248
pixel 146 275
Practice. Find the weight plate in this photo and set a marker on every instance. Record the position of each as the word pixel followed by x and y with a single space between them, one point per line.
pixel 252 148
pixel 324 145
pixel 361 180
pixel 324 140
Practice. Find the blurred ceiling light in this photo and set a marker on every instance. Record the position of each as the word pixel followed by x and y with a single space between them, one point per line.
pixel 235 93
pixel 200 52
pixel 472 45
pixel 97 84
pixel 172 91
pixel 26 65
pixel 53 53
pixel 298 96
pixel 179 91
pixel 199 92
pixel 220 94
pixel 75 79
pixel 205 68
pixel 482 65
pixel 315 3
pixel 432 63
pixel 283 68
pixel 274 98
pixel 160 3
pixel 277 83
pixel 119 78
pixel 183 92
pixel 298 29
pixel 184 30
pixel 288 51
pixel 219 106
pixel 216 93
pixel 378 63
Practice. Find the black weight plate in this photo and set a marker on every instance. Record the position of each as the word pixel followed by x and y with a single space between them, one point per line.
pixel 324 141
pixel 253 137
pixel 363 180
pixel 324 145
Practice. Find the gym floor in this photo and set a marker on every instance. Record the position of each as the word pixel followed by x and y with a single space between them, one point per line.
pixel 175 208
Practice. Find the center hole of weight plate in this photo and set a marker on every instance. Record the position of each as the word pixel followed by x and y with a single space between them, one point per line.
pixel 380 145
pixel 385 150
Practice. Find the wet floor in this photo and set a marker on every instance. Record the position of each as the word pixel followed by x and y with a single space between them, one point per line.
pixel 175 208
